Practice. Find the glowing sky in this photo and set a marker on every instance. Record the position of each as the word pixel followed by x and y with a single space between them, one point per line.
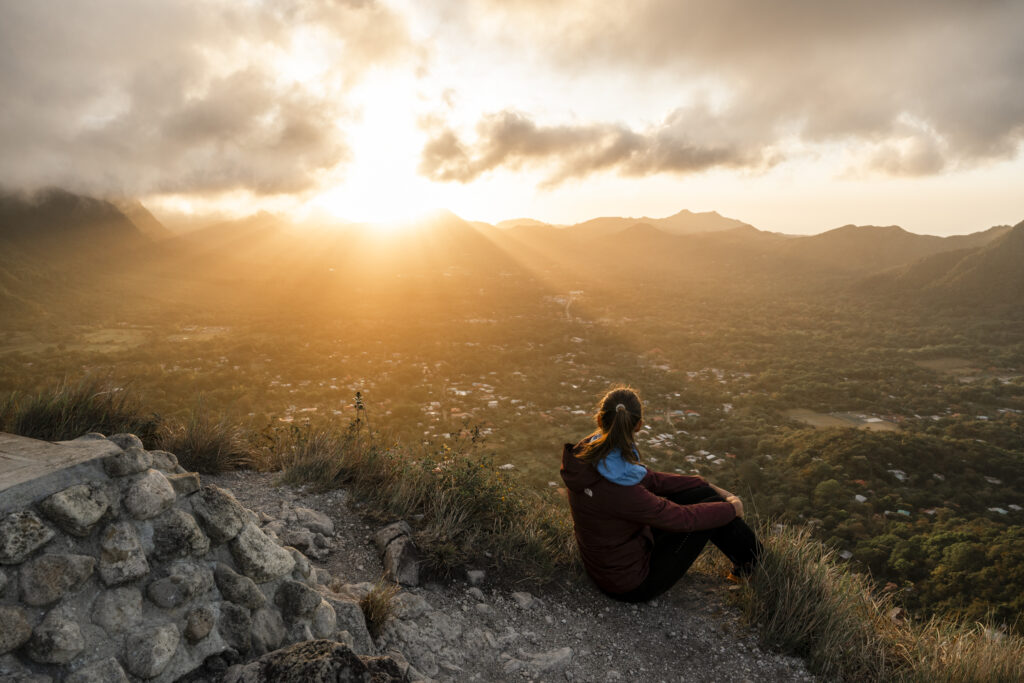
pixel 795 116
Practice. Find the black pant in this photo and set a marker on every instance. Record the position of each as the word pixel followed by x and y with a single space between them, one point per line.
pixel 674 552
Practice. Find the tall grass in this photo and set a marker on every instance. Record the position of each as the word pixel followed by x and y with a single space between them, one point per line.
pixel 69 410
pixel 805 602
pixel 207 444
pixel 465 509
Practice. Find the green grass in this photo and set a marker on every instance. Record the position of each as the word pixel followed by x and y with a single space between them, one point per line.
pixel 67 411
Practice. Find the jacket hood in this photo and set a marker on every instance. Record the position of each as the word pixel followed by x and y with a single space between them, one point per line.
pixel 577 474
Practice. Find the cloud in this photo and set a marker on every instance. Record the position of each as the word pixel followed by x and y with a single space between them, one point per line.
pixel 148 97
pixel 511 140
pixel 813 72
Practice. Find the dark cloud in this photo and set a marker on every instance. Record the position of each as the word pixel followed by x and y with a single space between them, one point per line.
pixel 511 140
pixel 145 96
pixel 815 70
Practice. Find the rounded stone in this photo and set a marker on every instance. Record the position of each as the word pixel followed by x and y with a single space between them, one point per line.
pixel 184 483
pixel 296 600
pixel 126 441
pixel 131 461
pixel 77 509
pixel 21 534
pixel 149 495
pixel 148 652
pixel 324 620
pixel 268 630
pixel 176 534
pixel 235 626
pixel 56 640
pixel 221 515
pixel 199 623
pixel 185 581
pixel 48 578
pixel 16 629
pixel 118 609
pixel 238 589
pixel 122 558
pixel 104 671
pixel 164 460
pixel 258 557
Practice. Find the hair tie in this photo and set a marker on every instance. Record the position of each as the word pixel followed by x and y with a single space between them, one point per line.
pixel 621 408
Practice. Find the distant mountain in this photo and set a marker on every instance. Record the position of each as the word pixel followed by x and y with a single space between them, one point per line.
pixel 55 219
pixel 987 275
pixel 140 216
pixel 688 223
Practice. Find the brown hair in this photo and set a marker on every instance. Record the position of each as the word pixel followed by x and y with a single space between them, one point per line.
pixel 618 414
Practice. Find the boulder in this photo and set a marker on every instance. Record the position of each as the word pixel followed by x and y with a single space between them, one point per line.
pixel 122 558
pixel 315 521
pixel 47 578
pixel 324 621
pixel 199 623
pixel 164 461
pixel 78 508
pixel 389 533
pixel 315 660
pixel 268 630
pixel 258 557
pixel 185 580
pixel 221 515
pixel 126 441
pixel 104 671
pixel 56 640
pixel 118 610
pixel 149 495
pixel 296 600
pixel 21 534
pixel 176 534
pixel 147 652
pixel 402 561
pixel 239 589
pixel 16 629
pixel 131 461
pixel 349 617
pixel 184 483
pixel 235 626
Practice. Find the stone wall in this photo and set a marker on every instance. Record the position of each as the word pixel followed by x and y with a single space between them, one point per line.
pixel 133 570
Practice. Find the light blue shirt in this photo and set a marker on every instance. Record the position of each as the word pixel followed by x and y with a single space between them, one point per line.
pixel 616 470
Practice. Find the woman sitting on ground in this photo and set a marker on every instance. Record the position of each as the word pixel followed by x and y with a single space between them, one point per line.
pixel 639 530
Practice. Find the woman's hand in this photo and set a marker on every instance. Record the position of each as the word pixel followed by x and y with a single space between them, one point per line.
pixel 737 504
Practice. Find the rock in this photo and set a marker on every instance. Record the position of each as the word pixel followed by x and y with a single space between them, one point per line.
pixel 523 599
pixel 185 483
pixel 176 534
pixel 3 582
pixel 235 626
pixel 148 652
pixel 546 662
pixel 16 630
pixel 315 660
pixel 77 509
pixel 199 623
pixel 410 606
pixel 56 640
pixel 132 461
pixel 320 575
pixel 164 461
pixel 257 556
pixel 389 533
pixel 104 671
pixel 185 580
pixel 296 600
pixel 118 609
pixel 126 441
pixel 476 593
pixel 149 495
pixel 21 534
pixel 268 630
pixel 47 578
pixel 475 577
pixel 316 522
pixel 302 567
pixel 238 589
pixel 221 515
pixel 298 538
pixel 324 621
pixel 402 561
pixel 122 558
pixel 349 617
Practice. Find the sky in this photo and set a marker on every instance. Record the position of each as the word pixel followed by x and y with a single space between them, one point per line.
pixel 794 116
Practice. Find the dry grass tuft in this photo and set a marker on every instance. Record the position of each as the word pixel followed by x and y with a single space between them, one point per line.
pixel 378 606
pixel 205 445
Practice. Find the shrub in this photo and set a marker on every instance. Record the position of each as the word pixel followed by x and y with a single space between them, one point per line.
pixel 206 445
pixel 67 411
pixel 378 606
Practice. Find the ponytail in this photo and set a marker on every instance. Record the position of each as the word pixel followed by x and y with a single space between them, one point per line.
pixel 617 416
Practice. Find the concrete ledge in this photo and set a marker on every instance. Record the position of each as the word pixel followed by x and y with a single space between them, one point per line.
pixel 30 468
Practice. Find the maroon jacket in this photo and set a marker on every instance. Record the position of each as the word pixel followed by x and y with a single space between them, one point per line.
pixel 613 522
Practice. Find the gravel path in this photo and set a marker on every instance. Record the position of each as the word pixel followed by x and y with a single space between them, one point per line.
pixel 494 632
